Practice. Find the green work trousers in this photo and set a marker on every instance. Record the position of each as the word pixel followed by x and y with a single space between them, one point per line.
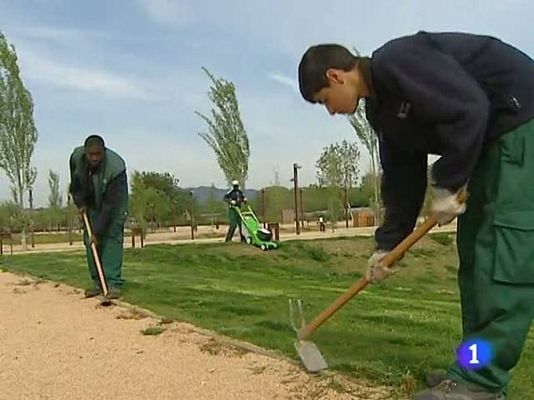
pixel 235 222
pixel 496 253
pixel 110 250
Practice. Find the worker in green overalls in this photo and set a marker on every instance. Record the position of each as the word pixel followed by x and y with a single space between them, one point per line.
pixel 99 187
pixel 234 198
pixel 470 100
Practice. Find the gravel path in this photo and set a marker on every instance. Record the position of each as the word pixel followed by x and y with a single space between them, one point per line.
pixel 56 345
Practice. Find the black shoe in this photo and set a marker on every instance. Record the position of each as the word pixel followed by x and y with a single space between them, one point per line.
pixel 434 378
pixel 93 292
pixel 451 390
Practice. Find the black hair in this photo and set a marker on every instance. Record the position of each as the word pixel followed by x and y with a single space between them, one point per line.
pixel 94 140
pixel 316 61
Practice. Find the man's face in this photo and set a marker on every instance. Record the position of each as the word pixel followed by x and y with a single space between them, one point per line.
pixel 341 96
pixel 94 155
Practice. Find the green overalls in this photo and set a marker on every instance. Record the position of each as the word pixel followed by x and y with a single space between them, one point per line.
pixel 110 244
pixel 496 251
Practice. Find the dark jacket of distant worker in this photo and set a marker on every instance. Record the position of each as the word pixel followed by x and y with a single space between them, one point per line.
pixel 99 186
pixel 470 100
pixel 234 198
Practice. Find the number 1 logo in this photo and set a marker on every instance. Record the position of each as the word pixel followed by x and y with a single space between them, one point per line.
pixel 474 359
pixel 474 354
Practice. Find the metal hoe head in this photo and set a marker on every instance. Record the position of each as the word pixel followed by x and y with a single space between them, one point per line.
pixel 106 302
pixel 308 352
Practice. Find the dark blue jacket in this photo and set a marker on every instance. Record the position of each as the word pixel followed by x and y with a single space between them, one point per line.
pixel 235 194
pixel 446 94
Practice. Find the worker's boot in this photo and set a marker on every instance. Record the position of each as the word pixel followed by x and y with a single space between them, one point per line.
pixel 114 293
pixel 94 291
pixel 434 378
pixel 450 390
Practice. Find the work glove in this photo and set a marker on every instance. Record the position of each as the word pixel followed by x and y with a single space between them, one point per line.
pixel 445 206
pixel 375 271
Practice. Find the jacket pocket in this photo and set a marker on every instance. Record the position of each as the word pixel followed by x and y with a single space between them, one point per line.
pixel 514 247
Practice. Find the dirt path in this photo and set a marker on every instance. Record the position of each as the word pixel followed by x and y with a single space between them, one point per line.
pixel 171 238
pixel 55 345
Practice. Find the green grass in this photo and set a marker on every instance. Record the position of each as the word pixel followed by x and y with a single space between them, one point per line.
pixel 391 333
pixel 46 238
pixel 51 237
pixel 152 331
pixel 445 239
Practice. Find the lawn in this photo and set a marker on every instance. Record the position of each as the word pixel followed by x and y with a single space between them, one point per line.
pixel 389 334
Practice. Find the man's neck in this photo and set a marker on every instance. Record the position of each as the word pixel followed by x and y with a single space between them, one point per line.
pixel 363 68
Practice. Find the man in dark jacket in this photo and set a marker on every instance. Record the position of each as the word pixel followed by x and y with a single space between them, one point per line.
pixel 234 198
pixel 99 187
pixel 470 100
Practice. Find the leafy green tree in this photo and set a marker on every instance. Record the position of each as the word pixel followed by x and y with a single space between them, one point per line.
pixel 337 170
pixel 18 134
pixel 55 201
pixel 226 133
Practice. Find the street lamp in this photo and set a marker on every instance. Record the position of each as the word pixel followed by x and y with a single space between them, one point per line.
pixel 301 210
pixel 296 167
pixel 191 216
pixel 32 237
pixel 347 208
pixel 263 207
pixel 69 220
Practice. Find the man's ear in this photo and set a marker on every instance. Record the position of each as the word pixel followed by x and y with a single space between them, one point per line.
pixel 334 75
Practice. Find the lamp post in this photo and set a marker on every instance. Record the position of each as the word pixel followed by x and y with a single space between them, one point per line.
pixel 263 207
pixel 191 216
pixel 69 220
pixel 32 236
pixel 296 167
pixel 347 208
pixel 301 210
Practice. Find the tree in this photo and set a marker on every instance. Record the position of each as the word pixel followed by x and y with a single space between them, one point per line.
pixel 54 198
pixel 167 184
pixel 338 165
pixel 276 199
pixel 70 214
pixel 369 138
pixel 12 217
pixel 18 134
pixel 156 198
pixel 55 201
pixel 337 169
pixel 215 206
pixel 429 194
pixel 227 136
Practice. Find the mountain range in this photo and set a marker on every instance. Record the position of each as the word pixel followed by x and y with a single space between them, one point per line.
pixel 203 193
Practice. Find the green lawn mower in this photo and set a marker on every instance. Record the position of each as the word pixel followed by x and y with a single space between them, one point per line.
pixel 253 231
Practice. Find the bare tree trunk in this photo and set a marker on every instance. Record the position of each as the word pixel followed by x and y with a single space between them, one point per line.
pixel 23 236
pixel 376 185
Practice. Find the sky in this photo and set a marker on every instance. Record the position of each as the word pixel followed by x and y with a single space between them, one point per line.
pixel 130 70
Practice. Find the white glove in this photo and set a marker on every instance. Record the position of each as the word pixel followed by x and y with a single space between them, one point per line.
pixel 377 272
pixel 233 202
pixel 445 206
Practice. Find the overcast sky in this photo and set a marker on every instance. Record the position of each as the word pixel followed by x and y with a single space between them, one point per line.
pixel 130 70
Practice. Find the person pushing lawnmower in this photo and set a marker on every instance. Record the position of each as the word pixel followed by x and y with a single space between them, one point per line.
pixel 234 198
pixel 469 99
